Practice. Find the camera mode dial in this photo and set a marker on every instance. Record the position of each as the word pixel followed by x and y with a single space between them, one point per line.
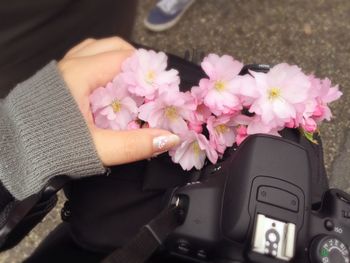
pixel 328 249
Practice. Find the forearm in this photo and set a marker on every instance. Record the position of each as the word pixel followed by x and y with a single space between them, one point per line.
pixel 43 135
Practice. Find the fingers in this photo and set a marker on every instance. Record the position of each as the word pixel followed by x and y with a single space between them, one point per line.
pixel 122 147
pixel 93 63
pixel 104 67
pixel 92 47
pixel 88 73
pixel 80 46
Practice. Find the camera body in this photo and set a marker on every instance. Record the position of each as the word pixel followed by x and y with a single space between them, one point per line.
pixel 255 206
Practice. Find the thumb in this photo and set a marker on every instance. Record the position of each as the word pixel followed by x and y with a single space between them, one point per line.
pixel 120 147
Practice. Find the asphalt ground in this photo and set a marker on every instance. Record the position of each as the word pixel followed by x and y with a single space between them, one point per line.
pixel 313 34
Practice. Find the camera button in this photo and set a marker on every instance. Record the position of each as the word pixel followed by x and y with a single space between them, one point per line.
pixel 183 246
pixel 202 254
pixel 278 197
pixel 329 225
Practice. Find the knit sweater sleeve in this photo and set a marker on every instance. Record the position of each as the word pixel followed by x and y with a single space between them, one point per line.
pixel 43 135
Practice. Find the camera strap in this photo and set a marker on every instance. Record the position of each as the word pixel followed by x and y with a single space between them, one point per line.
pixel 149 238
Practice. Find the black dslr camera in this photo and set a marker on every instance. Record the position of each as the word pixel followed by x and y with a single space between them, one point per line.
pixel 255 206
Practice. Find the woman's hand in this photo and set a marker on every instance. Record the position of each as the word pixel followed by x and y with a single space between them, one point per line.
pixel 92 64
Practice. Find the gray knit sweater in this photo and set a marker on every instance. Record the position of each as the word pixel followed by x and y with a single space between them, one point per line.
pixel 43 135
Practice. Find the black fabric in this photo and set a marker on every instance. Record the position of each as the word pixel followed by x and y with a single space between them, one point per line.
pixel 35 32
pixel 148 239
pixel 5 197
pixel 106 211
pixel 60 247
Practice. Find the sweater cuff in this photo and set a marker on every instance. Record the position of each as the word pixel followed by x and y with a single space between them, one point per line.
pixel 46 135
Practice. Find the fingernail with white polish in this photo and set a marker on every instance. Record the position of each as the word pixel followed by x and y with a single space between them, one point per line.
pixel 165 142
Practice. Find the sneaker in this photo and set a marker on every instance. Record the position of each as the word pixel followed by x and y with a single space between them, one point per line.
pixel 166 14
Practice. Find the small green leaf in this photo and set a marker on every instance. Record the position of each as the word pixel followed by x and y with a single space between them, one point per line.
pixel 309 136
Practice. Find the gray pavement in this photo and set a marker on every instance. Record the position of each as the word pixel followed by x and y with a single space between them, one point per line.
pixel 313 34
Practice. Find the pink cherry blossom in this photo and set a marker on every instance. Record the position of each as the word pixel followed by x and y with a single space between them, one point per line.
pixel 221 132
pixel 202 112
pixel 248 125
pixel 318 112
pixel 221 68
pixel 197 127
pixel 291 124
pixel 309 125
pixel 281 92
pixel 193 151
pixel 245 87
pixel 324 94
pixel 169 111
pixel 134 125
pixel 112 106
pixel 255 125
pixel 101 121
pixel 145 73
pixel 242 134
pixel 218 92
pixel 231 106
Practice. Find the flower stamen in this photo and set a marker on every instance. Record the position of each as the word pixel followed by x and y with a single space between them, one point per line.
pixel 116 106
pixel 219 85
pixel 222 128
pixel 150 76
pixel 196 149
pixel 171 113
pixel 274 93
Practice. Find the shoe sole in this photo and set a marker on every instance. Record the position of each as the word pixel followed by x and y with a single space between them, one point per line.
pixel 165 26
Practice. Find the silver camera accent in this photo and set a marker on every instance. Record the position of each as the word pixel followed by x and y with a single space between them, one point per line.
pixel 273 238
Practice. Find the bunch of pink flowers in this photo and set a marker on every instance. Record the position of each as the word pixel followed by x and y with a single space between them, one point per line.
pixel 145 93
